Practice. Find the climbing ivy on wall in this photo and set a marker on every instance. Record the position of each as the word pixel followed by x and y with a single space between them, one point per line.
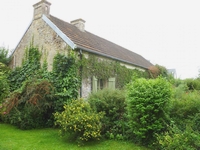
pixel 30 67
pixel 67 70
pixel 104 69
pixel 59 85
pixel 65 78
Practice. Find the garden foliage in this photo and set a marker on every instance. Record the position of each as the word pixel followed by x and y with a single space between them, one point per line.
pixel 79 120
pixel 30 67
pixel 146 100
pixel 4 82
pixel 31 105
pixel 112 103
pixel 4 56
pixel 157 70
pixel 33 95
pixel 192 84
pixel 65 79
pixel 103 68
pixel 4 85
pixel 145 111
pixel 175 138
pixel 184 108
pixel 4 92
pixel 183 132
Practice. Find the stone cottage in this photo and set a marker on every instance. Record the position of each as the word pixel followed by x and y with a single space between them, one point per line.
pixel 55 35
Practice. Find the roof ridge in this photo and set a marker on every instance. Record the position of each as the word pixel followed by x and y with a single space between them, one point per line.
pixel 96 35
pixel 99 44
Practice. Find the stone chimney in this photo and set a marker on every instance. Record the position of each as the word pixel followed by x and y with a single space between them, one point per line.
pixel 79 23
pixel 40 8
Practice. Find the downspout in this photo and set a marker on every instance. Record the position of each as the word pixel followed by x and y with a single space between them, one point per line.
pixel 81 71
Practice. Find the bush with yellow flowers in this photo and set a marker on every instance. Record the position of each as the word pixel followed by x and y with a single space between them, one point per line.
pixel 78 119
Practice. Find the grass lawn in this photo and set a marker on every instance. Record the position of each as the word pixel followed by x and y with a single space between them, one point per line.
pixel 12 138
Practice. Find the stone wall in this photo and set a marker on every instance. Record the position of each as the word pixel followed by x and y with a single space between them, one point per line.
pixel 87 83
pixel 86 87
pixel 48 42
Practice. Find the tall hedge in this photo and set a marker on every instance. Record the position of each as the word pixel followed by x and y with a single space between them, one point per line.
pixel 146 100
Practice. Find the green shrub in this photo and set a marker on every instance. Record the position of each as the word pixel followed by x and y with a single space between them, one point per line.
pixel 181 140
pixel 4 55
pixel 177 82
pixel 180 90
pixel 66 79
pixel 146 100
pixel 4 69
pixel 112 102
pixel 30 67
pixel 31 106
pixel 185 108
pixel 184 112
pixel 193 84
pixel 196 122
pixel 4 87
pixel 4 83
pixel 79 120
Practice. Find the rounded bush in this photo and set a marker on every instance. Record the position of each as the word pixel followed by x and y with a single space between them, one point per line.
pixel 79 120
pixel 112 103
pixel 146 100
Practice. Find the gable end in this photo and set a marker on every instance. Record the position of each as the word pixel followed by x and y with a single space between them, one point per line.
pixel 59 32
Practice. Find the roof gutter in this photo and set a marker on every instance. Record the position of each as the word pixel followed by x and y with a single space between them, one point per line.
pixel 108 56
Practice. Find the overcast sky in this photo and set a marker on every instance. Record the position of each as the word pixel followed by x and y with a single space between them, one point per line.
pixel 165 32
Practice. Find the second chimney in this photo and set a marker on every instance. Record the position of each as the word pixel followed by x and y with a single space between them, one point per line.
pixel 79 23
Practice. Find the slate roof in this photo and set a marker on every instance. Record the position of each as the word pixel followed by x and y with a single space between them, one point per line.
pixel 95 44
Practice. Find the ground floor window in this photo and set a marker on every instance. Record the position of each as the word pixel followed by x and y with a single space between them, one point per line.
pixel 99 84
